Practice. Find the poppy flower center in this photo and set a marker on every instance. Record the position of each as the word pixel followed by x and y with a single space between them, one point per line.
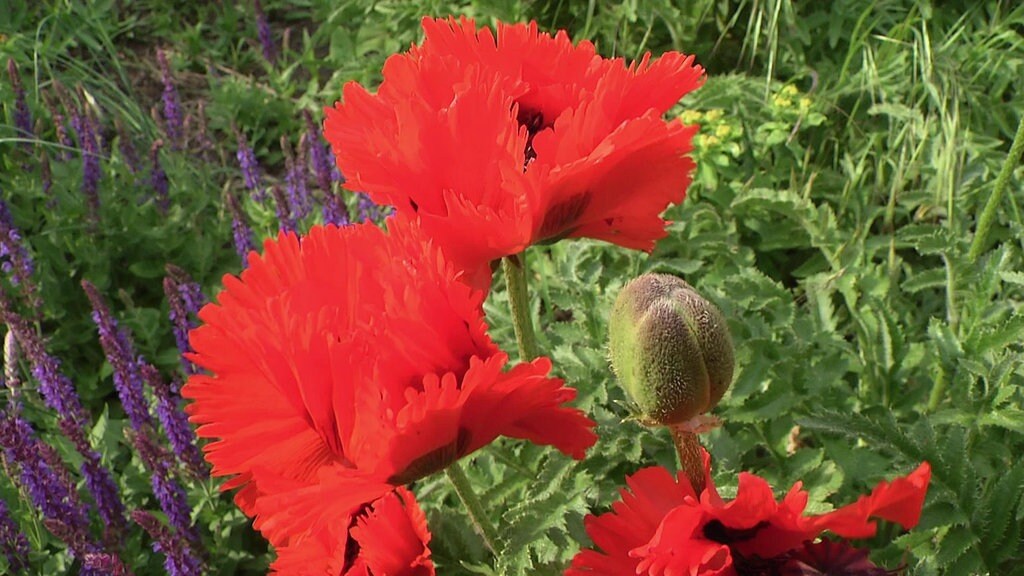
pixel 534 122
pixel 718 532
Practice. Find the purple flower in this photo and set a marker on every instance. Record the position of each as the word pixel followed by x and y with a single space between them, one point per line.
pixel 319 152
pixel 172 104
pixel 178 561
pixel 184 298
pixel 99 563
pixel 282 210
pixel 295 177
pixel 22 117
pixel 12 541
pixel 158 179
pixel 91 172
pixel 16 261
pixel 240 229
pixel 120 353
pixel 169 494
pixel 66 144
pixel 175 423
pixel 334 210
pixel 44 485
pixel 263 29
pixel 250 167
pixel 59 395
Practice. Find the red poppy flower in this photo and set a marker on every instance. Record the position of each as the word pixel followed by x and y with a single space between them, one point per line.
pixel 347 364
pixel 496 143
pixel 661 527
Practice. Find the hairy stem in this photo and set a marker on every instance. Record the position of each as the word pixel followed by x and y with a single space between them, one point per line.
pixel 514 268
pixel 988 215
pixel 691 461
pixel 473 507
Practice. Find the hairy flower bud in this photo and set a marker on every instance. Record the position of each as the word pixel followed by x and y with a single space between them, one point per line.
pixel 670 349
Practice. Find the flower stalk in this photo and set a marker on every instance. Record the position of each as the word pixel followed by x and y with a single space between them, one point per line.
pixel 514 268
pixel 988 214
pixel 473 506
pixel 691 459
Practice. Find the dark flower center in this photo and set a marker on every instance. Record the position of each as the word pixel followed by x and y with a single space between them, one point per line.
pixel 718 532
pixel 533 120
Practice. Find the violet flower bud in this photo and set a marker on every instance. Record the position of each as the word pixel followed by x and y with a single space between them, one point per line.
pixel 240 231
pixel 295 178
pixel 178 561
pixel 172 104
pixel 263 30
pixel 120 352
pixel 250 167
pixel 282 210
pixel 16 263
pixel 175 423
pixel 22 117
pixel 13 543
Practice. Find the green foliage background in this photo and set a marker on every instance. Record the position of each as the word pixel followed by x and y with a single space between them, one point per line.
pixel 846 151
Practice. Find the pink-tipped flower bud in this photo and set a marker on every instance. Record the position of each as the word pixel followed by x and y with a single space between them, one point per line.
pixel 670 349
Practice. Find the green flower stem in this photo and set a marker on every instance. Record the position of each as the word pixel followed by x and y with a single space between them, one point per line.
pixel 473 507
pixel 514 268
pixel 691 461
pixel 988 215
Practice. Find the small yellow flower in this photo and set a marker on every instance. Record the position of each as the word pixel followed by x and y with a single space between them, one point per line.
pixel 781 101
pixel 805 103
pixel 690 116
pixel 710 140
pixel 790 90
pixel 713 115
pixel 723 131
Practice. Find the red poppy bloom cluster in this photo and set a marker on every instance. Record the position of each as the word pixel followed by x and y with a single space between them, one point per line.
pixel 499 142
pixel 347 364
pixel 662 527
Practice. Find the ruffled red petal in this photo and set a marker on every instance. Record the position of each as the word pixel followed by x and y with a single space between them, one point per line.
pixel 660 528
pixel 393 537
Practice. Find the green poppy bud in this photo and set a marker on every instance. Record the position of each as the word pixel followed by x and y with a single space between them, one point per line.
pixel 670 349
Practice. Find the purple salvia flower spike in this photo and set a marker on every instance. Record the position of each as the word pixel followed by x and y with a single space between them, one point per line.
pixel 46 488
pixel 175 423
pixel 177 560
pixel 169 494
pixel 63 138
pixel 22 117
pixel 263 31
pixel 100 563
pixel 318 152
pixel 172 104
pixel 240 231
pixel 91 171
pixel 158 179
pixel 283 210
pixel 250 167
pixel 184 298
pixel 295 178
pixel 17 263
pixel 59 395
pixel 13 542
pixel 121 354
